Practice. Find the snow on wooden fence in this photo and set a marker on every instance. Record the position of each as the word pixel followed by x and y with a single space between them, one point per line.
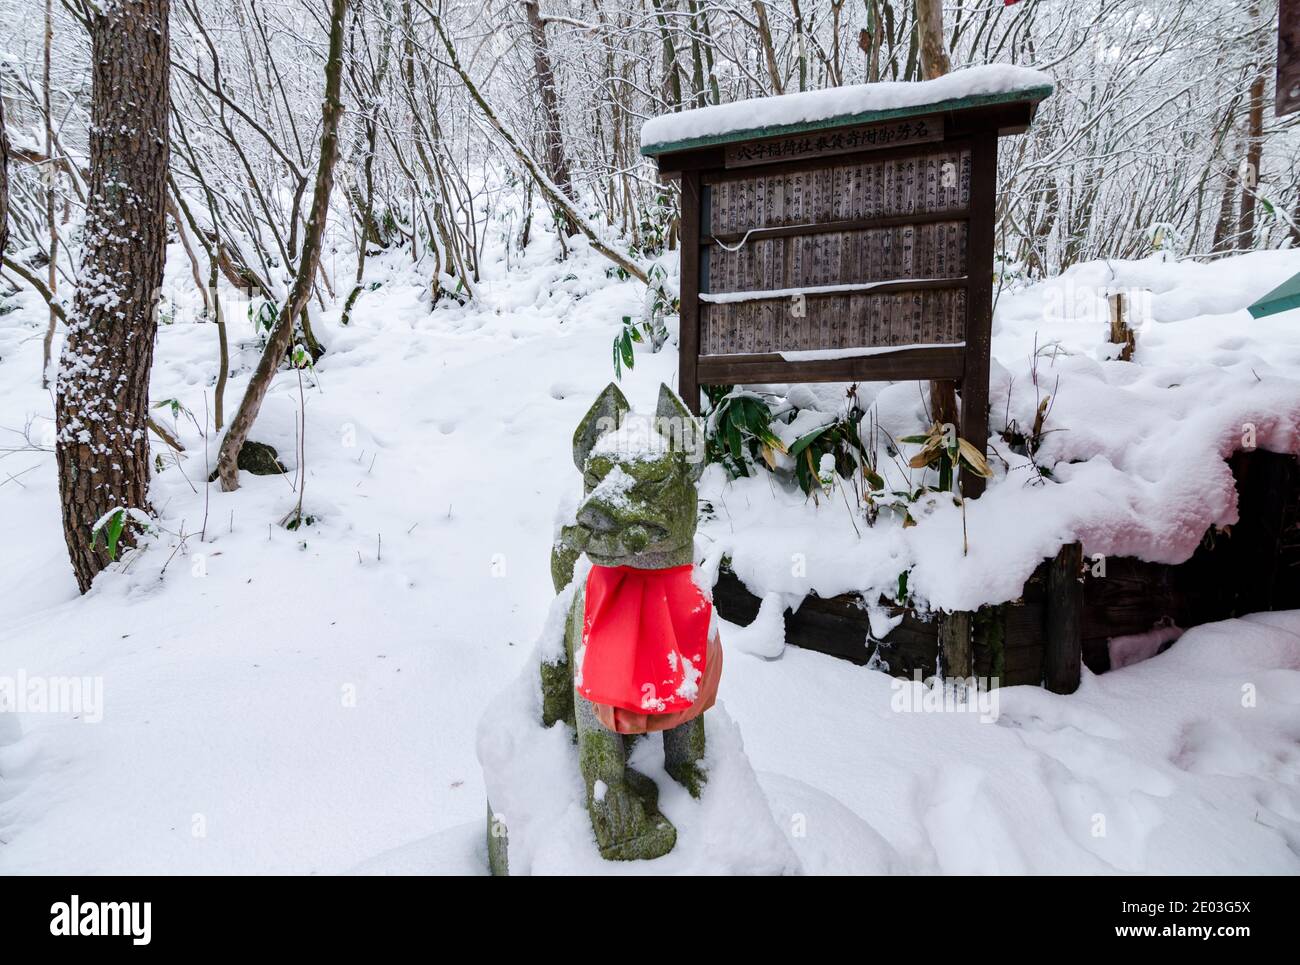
pixel 1075 606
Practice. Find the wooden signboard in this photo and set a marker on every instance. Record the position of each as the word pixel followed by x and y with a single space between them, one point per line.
pixel 1287 98
pixel 855 249
pixel 846 141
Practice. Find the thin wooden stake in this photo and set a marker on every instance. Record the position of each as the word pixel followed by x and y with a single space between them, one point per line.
pixel 1063 629
pixel 1120 333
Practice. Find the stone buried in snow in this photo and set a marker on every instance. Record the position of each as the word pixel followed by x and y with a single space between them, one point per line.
pixel 260 459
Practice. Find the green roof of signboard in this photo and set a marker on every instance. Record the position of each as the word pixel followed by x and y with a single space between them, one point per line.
pixel 840 107
pixel 1282 298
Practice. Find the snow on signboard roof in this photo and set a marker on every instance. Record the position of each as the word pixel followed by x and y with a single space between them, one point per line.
pixel 859 103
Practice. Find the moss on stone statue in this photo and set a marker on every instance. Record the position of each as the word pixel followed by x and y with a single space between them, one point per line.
pixel 564 554
pixel 684 755
pixel 557 693
pixel 627 821
pixel 498 844
pixel 670 515
pixel 557 675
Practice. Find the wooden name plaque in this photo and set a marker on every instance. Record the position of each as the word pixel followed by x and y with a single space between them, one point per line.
pixel 858 249
pixel 848 141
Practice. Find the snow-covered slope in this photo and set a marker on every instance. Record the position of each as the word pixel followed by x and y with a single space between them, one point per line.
pixel 307 701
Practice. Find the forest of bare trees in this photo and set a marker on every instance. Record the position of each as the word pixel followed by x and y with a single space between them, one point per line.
pixel 1159 137
pixel 307 135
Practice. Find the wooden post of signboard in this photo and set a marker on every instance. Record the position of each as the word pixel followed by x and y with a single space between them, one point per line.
pixel 979 301
pixel 688 339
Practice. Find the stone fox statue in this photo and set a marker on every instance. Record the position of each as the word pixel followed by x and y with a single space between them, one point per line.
pixel 659 659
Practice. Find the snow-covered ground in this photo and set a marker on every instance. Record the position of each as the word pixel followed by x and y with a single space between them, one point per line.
pixel 277 701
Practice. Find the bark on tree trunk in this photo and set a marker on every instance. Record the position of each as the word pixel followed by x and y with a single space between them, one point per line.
pixel 102 410
pixel 929 26
pixel 557 166
pixel 801 44
pixel 1223 236
pixel 51 178
pixel 672 73
pixel 4 181
pixel 1254 155
pixel 769 52
pixel 1225 149
pixel 365 205
pixel 869 41
pixel 935 63
pixel 282 333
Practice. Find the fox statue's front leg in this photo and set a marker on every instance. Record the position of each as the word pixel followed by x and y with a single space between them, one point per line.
pixel 623 804
pixel 684 754
pixel 557 677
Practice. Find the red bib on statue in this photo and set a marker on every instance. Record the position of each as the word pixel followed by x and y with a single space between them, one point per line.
pixel 644 638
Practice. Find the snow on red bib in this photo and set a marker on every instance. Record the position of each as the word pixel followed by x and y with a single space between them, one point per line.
pixel 644 638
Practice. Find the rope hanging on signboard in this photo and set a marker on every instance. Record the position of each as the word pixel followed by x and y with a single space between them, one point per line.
pixel 811 226
pixel 739 244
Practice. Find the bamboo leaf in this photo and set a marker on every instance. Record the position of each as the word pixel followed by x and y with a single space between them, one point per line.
pixel 803 442
pixel 973 458
pixel 114 532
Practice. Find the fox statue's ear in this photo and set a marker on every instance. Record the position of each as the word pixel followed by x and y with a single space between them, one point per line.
pixel 605 415
pixel 679 425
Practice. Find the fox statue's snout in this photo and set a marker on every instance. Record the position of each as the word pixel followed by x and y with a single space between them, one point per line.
pixel 606 537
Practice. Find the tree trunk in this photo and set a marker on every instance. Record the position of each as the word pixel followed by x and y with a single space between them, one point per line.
pixel 697 59
pixel 557 166
pixel 769 52
pixel 51 176
pixel 1223 237
pixel 869 41
pixel 935 63
pixel 102 409
pixel 929 26
pixel 672 73
pixel 1254 154
pixel 282 333
pixel 707 33
pixel 4 181
pixel 801 44
pixel 369 230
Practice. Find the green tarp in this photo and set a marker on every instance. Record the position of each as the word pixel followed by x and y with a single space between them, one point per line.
pixel 1285 296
